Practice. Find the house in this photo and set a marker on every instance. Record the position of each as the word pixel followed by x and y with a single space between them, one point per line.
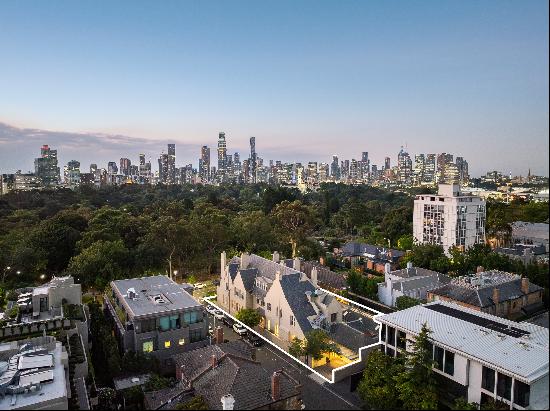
pixel 228 376
pixel 156 315
pixel 478 355
pixel 526 253
pixel 375 257
pixel 33 375
pixel 412 282
pixel 289 303
pixel 495 292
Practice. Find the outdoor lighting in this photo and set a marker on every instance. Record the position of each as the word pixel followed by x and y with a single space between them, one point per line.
pixel 18 272
pixel 42 276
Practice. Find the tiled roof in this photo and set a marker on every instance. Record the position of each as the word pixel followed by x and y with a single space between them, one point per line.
pixel 355 249
pixel 269 268
pixel 295 294
pixel 235 374
pixel 422 282
pixel 348 336
pixel 414 272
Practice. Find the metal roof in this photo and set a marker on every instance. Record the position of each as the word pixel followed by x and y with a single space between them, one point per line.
pixel 524 357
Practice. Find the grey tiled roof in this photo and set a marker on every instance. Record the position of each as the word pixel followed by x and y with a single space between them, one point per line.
pixel 233 269
pixel 248 276
pixel 235 374
pixel 483 297
pixel 348 336
pixel 422 282
pixel 295 294
pixel 355 249
pixel 414 272
pixel 268 268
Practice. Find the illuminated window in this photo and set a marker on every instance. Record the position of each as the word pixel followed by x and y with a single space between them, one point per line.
pixel 147 346
pixel 167 344
pixel 181 341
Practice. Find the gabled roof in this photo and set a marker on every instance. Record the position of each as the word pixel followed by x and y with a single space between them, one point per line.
pixel 355 249
pixel 236 374
pixel 295 294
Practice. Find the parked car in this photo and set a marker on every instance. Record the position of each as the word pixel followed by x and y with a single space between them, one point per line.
pixel 228 321
pixel 210 309
pixel 239 329
pixel 219 315
pixel 198 286
pixel 254 340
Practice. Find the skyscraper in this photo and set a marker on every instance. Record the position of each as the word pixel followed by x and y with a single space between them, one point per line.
pixel 46 168
pixel 335 169
pixel 71 174
pixel 125 164
pixel 404 164
pixel 171 165
pixel 222 156
pixel 204 167
pixel 387 163
pixel 253 163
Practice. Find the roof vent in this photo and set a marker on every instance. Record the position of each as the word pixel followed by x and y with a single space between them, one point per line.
pixel 131 293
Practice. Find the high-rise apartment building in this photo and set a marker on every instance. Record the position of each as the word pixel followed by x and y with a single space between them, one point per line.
pixel 171 165
pixel 204 166
pixel 222 156
pixel 450 218
pixel 125 164
pixel 335 169
pixel 404 164
pixel 71 174
pixel 46 167
pixel 387 163
pixel 253 160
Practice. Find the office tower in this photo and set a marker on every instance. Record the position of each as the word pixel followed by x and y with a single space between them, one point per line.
pixel 144 170
pixel 404 165
pixel 387 163
pixel 7 183
pixel 430 169
pixel 442 160
pixel 112 168
pixel 93 168
pixel 171 165
pixel 253 162
pixel 344 169
pixel 450 218
pixel 46 168
pixel 335 169
pixel 142 159
pixel 71 174
pixel 163 169
pixel 353 169
pixel 364 166
pixel 125 164
pixel 374 171
pixel 222 156
pixel 204 168
pixel 419 166
pixel 324 173
pixel 462 166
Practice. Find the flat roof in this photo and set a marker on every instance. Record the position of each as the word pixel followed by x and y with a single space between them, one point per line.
pixel 521 349
pixel 131 381
pixel 153 295
pixel 55 389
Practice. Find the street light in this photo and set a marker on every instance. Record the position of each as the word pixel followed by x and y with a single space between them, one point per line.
pixel 175 274
pixel 5 271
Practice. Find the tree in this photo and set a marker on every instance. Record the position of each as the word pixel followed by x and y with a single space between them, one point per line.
pixel 417 385
pixel 249 316
pixel 427 256
pixel 376 388
pixel 403 302
pixel 317 343
pixel 295 220
pixel 462 404
pixel 296 348
pixel 405 242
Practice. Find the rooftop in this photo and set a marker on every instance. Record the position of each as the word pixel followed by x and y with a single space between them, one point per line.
pixel 520 349
pixel 152 295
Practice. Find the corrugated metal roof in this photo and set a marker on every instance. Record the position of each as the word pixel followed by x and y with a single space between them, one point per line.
pixel 524 357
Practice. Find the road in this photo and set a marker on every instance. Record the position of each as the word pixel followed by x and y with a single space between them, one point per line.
pixel 316 393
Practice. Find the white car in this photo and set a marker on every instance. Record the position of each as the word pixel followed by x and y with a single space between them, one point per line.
pixel 218 315
pixel 239 329
pixel 210 309
pixel 198 286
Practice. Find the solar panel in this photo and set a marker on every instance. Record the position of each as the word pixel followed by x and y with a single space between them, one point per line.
pixel 478 320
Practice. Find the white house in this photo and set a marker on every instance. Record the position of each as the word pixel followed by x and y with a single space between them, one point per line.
pixel 478 355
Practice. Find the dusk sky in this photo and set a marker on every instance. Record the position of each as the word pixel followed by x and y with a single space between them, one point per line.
pixel 308 79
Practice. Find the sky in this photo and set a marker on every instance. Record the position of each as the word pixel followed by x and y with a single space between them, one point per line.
pixel 100 80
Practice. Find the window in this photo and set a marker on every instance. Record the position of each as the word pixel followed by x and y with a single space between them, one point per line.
pixel 147 346
pixel 167 344
pixel 488 379
pixel 333 317
pixel 391 335
pixel 383 332
pixel 504 386
pixel 190 317
pixel 174 322
pixel 268 306
pixel 164 323
pixel 521 393
pixel 438 357
pixel 390 352
pixel 291 320
pixel 195 335
pixel 401 340
pixel 449 363
pixel 181 341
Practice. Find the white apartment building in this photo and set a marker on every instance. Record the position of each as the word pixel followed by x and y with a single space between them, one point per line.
pixel 449 218
pixel 478 356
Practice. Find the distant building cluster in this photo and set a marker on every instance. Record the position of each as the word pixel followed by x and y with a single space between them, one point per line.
pixel 427 169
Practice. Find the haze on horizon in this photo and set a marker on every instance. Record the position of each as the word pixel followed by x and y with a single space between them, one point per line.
pixel 308 79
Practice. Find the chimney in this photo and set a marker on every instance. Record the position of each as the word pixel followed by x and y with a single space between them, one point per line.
pixel 314 276
pixel 228 402
pixel 296 264
pixel 276 386
pixel 223 260
pixel 480 269
pixel 525 285
pixel 496 295
pixel 219 335
pixel 308 295
pixel 245 259
pixel 387 268
pixel 278 276
pixel 213 361
pixel 275 257
pixel 409 265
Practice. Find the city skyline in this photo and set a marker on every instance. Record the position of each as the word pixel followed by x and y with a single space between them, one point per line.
pixel 308 79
